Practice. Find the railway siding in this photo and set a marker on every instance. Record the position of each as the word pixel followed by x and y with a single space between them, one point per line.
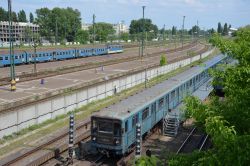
pixel 20 114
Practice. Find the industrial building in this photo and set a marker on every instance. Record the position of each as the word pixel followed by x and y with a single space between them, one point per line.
pixel 22 31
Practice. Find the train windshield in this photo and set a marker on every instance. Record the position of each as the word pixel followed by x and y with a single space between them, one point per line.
pixel 105 127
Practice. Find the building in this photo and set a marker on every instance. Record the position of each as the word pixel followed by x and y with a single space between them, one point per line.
pixel 22 31
pixel 86 26
pixel 119 27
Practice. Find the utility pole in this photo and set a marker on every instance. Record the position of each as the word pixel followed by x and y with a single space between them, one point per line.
pixel 143 29
pixel 182 34
pixel 56 32
pixel 93 28
pixel 12 63
pixel 35 46
pixel 164 32
pixel 65 31
pixel 197 29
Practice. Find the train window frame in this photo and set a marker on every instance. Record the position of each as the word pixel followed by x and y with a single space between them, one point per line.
pixel 117 127
pixel 161 103
pixel 145 113
pixel 1 58
pixel 6 58
pixel 126 126
pixel 172 95
pixel 16 57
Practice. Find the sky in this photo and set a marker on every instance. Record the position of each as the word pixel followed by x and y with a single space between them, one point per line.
pixel 168 12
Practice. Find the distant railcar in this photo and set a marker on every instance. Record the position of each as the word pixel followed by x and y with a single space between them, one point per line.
pixel 113 130
pixel 24 57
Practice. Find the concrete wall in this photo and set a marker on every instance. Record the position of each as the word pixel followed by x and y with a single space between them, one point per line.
pixel 41 111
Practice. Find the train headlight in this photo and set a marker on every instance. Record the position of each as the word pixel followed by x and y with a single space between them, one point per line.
pixel 94 139
pixel 117 142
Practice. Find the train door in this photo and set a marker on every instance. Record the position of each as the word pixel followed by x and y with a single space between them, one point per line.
pixel 54 56
pixel 153 113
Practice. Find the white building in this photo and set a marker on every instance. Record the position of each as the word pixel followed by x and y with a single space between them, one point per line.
pixel 86 26
pixel 119 27
pixel 18 29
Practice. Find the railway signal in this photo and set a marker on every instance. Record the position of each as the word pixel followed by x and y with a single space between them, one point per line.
pixel 71 138
pixel 138 141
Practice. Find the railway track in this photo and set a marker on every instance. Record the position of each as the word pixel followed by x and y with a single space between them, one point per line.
pixel 194 140
pixel 46 151
pixel 90 65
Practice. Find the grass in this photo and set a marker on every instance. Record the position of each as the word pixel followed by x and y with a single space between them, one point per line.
pixel 35 132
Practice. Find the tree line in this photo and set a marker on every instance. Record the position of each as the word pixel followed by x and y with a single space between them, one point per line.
pixel 64 24
pixel 16 17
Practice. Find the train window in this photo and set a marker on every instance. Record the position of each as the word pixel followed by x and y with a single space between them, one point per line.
pixel 145 113
pixel 1 58
pixel 6 58
pixel 135 120
pixel 22 55
pixel 44 54
pixel 172 95
pixel 161 103
pixel 126 126
pixel 190 82
pixel 117 129
pixel 167 99
pixel 105 127
pixel 16 57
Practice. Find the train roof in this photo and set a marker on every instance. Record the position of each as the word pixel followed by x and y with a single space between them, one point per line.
pixel 132 104
pixel 5 51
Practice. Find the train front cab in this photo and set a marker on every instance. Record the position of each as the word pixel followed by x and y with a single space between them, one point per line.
pixel 106 135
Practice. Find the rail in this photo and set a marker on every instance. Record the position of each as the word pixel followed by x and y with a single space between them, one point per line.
pixel 185 141
pixel 42 159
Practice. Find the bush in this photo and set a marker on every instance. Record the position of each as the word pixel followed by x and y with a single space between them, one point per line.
pixel 163 60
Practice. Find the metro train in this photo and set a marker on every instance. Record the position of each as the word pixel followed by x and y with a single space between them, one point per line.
pixel 113 129
pixel 25 57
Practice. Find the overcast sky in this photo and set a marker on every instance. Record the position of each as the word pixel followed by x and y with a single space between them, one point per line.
pixel 169 12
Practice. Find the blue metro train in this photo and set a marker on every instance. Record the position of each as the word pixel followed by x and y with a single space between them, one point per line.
pixel 24 57
pixel 113 130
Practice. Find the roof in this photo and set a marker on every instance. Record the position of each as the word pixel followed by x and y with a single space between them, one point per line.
pixel 51 49
pixel 128 106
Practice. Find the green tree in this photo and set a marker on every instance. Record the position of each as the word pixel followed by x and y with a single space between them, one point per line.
pixel 225 29
pixel 3 14
pixel 66 22
pixel 136 26
pixel 194 30
pixel 163 60
pixel 82 36
pixel 174 30
pixel 102 31
pixel 227 120
pixel 31 18
pixel 125 36
pixel 27 33
pixel 14 17
pixel 219 28
pixel 22 16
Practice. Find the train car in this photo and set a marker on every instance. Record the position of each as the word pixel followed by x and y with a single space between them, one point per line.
pixel 111 49
pixel 20 57
pixel 44 55
pixel 113 130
